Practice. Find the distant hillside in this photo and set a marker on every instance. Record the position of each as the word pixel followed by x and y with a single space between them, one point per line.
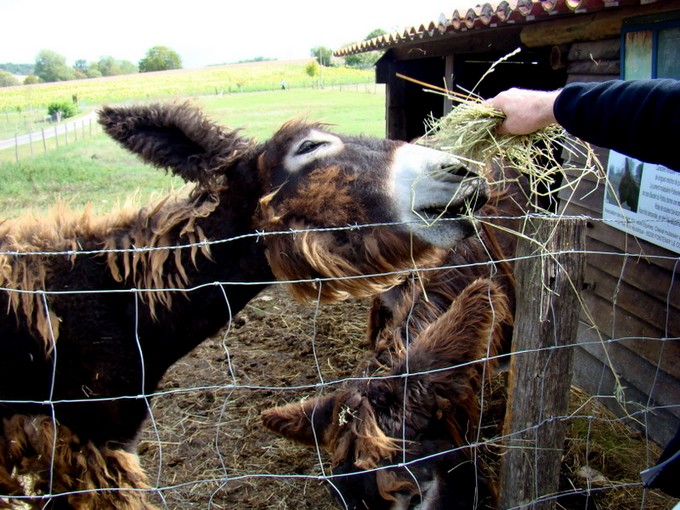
pixel 22 69
pixel 218 80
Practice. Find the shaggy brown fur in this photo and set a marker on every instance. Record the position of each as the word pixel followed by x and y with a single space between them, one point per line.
pixel 78 468
pixel 343 263
pixel 28 243
pixel 405 310
pixel 87 331
pixel 456 310
pixel 363 422
pixel 323 271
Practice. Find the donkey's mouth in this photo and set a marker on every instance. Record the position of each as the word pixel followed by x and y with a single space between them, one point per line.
pixel 448 212
pixel 468 198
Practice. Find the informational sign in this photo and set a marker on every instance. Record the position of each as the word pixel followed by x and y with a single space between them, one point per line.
pixel 643 199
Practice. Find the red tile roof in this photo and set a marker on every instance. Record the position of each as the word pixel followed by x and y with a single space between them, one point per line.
pixel 491 15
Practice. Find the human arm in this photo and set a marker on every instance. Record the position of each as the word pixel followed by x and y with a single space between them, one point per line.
pixel 639 118
pixel 636 117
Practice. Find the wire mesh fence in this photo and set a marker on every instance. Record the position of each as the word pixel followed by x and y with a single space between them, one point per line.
pixel 204 445
pixel 451 387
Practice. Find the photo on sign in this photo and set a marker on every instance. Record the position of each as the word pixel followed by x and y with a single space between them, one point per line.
pixel 643 200
pixel 624 183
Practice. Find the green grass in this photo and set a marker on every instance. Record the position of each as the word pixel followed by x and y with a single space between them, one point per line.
pixel 353 110
pixel 94 171
pixel 97 171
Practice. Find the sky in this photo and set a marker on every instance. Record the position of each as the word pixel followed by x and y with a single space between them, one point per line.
pixel 202 32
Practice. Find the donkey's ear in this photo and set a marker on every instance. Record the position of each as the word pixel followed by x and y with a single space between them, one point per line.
pixel 307 422
pixel 177 137
pixel 470 329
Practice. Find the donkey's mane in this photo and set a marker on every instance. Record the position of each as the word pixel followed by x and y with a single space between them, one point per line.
pixel 135 242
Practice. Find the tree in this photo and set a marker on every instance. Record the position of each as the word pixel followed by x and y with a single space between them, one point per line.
pixel 50 66
pixel 7 80
pixel 312 69
pixel 375 33
pixel 24 69
pixel 81 65
pixel 160 58
pixel 127 67
pixel 368 59
pixel 93 72
pixel 108 66
pixel 80 68
pixel 65 108
pixel 323 55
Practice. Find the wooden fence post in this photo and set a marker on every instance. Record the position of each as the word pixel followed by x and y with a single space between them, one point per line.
pixel 549 273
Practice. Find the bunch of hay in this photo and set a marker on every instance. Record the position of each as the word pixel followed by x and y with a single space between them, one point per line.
pixel 470 132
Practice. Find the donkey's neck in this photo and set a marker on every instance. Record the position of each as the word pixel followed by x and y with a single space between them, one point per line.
pixel 213 266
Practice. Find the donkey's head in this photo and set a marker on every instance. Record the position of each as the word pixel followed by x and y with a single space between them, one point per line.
pixel 357 206
pixel 401 442
pixel 399 197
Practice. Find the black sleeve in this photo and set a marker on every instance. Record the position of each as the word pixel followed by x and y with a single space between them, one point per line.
pixel 639 118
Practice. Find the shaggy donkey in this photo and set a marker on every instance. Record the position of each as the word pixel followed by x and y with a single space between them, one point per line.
pixel 88 334
pixel 444 326
pixel 399 443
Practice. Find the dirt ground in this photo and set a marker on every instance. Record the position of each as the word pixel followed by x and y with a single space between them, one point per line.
pixel 205 447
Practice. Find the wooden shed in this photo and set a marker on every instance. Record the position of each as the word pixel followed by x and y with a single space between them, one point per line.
pixel 631 359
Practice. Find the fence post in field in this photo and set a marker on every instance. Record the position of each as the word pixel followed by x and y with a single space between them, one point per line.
pixel 43 140
pixel 75 131
pixel 56 135
pixel 16 146
pixel 549 271
pixel 66 133
pixel 30 141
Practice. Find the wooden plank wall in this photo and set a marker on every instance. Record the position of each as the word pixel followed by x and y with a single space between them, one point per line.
pixel 632 294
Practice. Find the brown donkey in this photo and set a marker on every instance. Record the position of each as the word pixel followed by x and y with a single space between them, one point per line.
pixel 99 308
pixel 403 433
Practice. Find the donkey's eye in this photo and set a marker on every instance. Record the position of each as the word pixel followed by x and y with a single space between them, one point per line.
pixel 308 146
pixel 415 502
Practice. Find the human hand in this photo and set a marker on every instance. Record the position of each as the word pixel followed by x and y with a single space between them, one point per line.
pixel 525 110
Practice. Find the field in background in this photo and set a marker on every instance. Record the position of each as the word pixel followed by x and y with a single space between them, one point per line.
pixel 96 170
pixel 249 77
pixel 25 107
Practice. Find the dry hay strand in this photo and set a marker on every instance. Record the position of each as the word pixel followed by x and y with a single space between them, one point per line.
pixel 470 132
pixel 604 455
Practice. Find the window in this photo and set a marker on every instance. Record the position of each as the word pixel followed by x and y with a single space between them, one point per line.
pixel 650 47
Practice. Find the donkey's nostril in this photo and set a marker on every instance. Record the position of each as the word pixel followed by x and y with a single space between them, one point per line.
pixel 456 171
